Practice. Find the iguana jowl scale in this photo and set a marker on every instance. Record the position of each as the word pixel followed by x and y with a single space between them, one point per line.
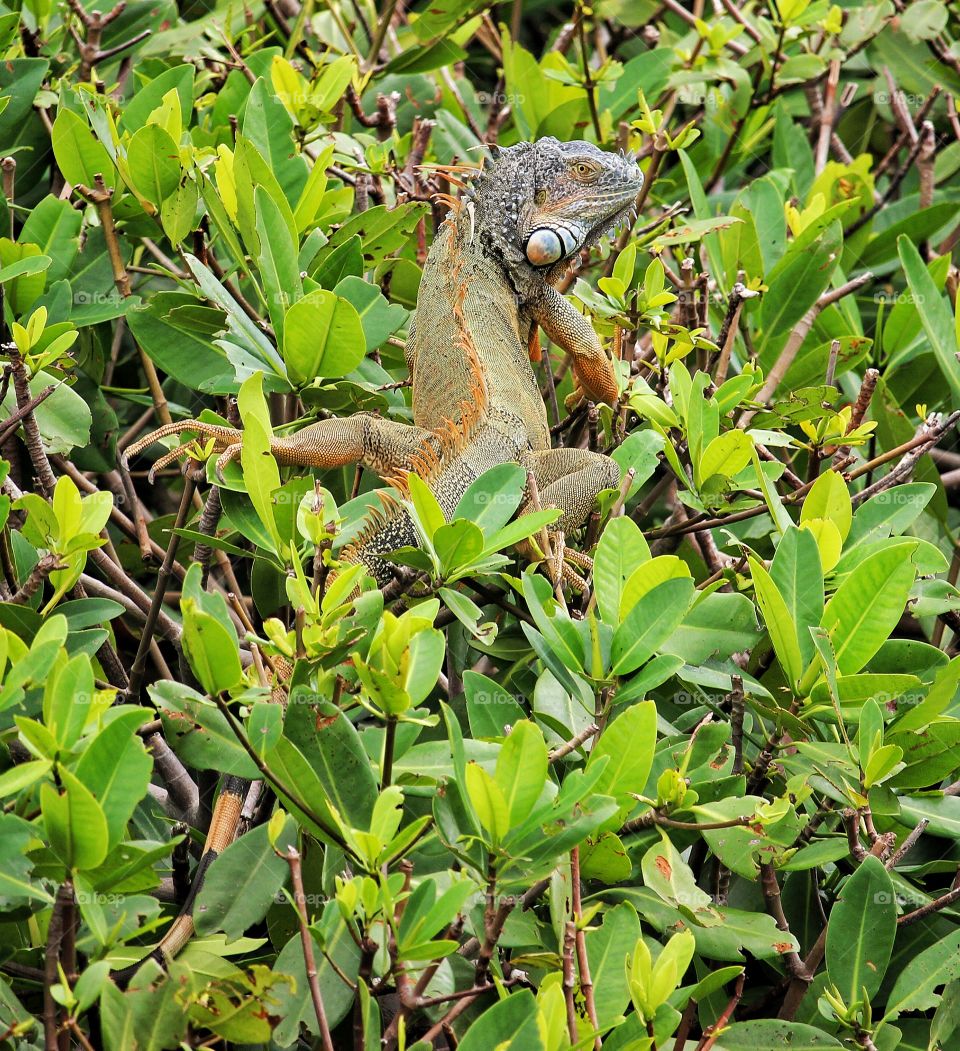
pixel 487 289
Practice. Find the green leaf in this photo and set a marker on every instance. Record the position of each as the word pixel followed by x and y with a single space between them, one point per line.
pixel 78 154
pixel 607 947
pixel 510 1025
pixel 650 623
pixel 521 770
pixel 135 110
pixel 76 827
pixel 26 267
pixel 382 231
pixel 666 873
pixel 267 128
pixel 861 931
pixel 717 626
pixel 213 652
pixel 796 572
pixel 430 515
pixel 936 966
pixel 868 605
pixel 332 941
pixel 934 314
pixel 780 625
pixel 243 882
pixel 488 801
pixel 67 699
pixel 458 545
pixel 64 418
pixel 198 731
pixel 829 498
pixel 489 706
pixel 332 746
pixel 178 212
pixel 260 471
pixel 16 886
pixel 322 338
pixel 491 500
pixel 380 318
pixel 628 743
pixel 622 550
pixel 55 226
pixel 278 261
pixel 796 283
pixel 772 1035
pixel 244 333
pixel 312 194
pixel 154 163
pixel 178 332
pixel 116 767
pixel 727 454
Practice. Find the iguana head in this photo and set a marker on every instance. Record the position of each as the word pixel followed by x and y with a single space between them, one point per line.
pixel 541 202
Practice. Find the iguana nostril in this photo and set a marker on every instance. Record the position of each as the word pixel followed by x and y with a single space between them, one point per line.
pixel 544 247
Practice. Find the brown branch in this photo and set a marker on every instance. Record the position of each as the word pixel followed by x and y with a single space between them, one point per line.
pixel 931 907
pixel 136 509
pixel 930 432
pixel 908 844
pixel 51 964
pixel 575 742
pixel 926 157
pixel 736 722
pixel 94 23
pixel 31 432
pixel 182 791
pixel 8 166
pixel 10 424
pixel 101 197
pixel 828 116
pixel 45 566
pixel 292 857
pixel 867 387
pixel 728 330
pixel 583 961
pixel 569 981
pixel 796 338
pixel 774 905
pixel 712 1032
pixel 163 577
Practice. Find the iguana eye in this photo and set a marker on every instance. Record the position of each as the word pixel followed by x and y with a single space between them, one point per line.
pixel 544 247
pixel 584 170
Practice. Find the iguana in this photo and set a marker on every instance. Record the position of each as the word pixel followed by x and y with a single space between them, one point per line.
pixel 488 287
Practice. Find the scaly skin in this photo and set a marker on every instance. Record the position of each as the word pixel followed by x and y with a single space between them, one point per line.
pixel 487 289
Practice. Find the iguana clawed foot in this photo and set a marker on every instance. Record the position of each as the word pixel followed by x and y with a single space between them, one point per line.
pixel 226 441
pixel 570 575
pixel 559 560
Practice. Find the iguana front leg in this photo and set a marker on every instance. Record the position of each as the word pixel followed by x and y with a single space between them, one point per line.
pixel 569 329
pixel 385 446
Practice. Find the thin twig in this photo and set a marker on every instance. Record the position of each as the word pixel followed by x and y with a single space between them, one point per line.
pixel 292 858
pixel 163 577
pixel 796 338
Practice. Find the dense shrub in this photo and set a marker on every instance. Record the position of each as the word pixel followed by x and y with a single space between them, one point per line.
pixel 712 802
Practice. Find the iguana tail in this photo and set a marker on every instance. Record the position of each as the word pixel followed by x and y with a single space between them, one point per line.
pixel 223 829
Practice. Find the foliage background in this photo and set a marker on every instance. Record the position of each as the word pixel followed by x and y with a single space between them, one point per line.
pixel 711 803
